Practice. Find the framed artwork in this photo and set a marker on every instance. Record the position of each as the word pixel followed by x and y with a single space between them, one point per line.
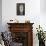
pixel 20 9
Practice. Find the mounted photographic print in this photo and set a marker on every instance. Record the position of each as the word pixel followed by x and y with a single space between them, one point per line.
pixel 20 8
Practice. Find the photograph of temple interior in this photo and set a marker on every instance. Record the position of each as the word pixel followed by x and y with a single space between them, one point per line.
pixel 22 23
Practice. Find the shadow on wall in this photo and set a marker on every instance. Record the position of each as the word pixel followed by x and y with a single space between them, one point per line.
pixel 0 23
pixel 43 6
pixel 0 15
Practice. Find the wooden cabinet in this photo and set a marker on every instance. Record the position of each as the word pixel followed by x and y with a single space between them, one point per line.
pixel 22 33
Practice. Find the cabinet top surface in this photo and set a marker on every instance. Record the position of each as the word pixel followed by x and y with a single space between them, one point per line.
pixel 19 23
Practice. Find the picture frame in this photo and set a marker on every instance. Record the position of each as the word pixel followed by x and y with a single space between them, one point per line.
pixel 20 9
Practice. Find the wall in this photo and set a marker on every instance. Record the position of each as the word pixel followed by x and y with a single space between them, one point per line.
pixel 32 13
pixel 31 9
pixel 0 15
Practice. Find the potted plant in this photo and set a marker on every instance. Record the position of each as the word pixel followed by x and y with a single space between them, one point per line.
pixel 41 36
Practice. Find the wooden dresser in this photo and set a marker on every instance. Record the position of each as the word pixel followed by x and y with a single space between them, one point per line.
pixel 22 33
